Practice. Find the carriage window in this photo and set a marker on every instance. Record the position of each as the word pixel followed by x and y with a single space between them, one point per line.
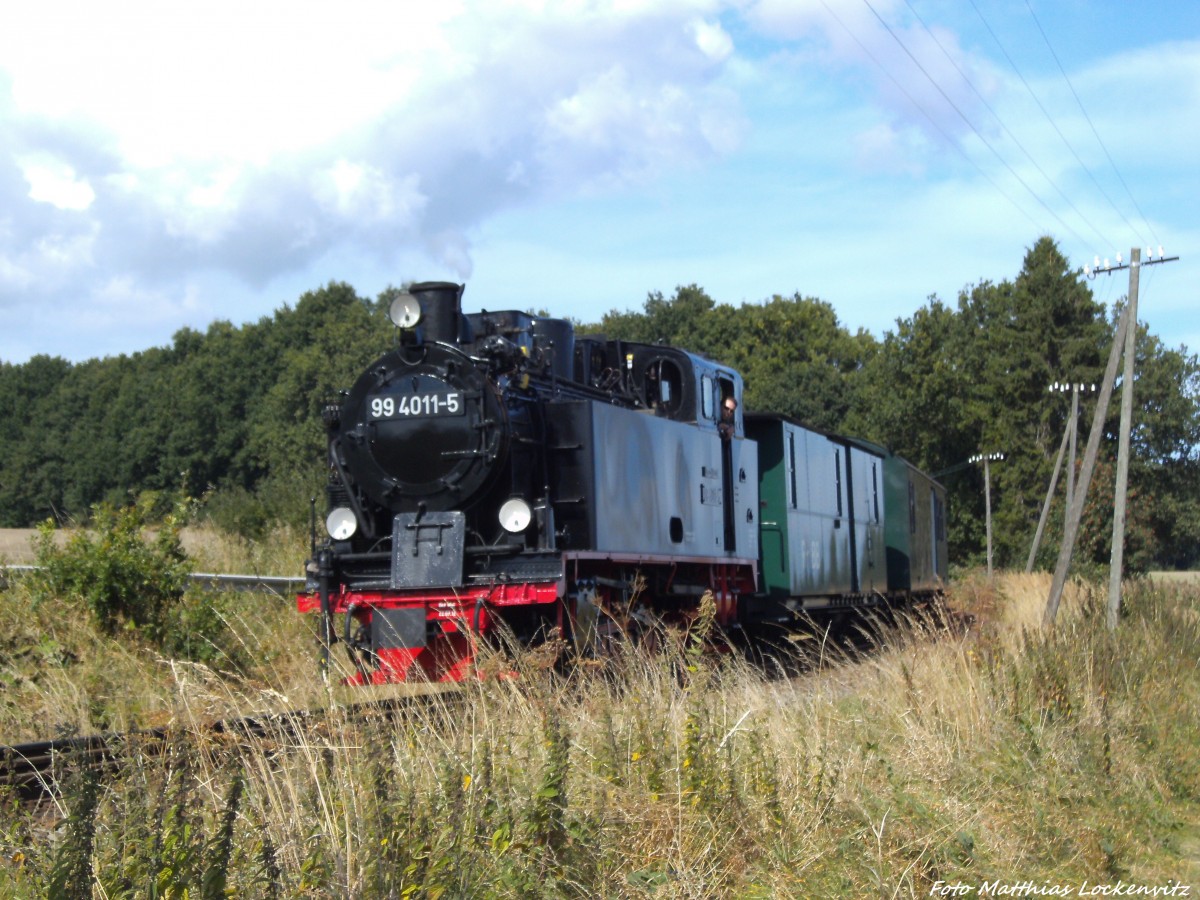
pixel 707 406
pixel 837 477
pixel 875 490
pixel 725 386
pixel 792 464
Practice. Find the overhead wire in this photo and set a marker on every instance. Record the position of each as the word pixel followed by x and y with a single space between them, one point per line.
pixel 1050 119
pixel 1000 121
pixel 1110 286
pixel 967 80
pixel 1096 133
pixel 1148 273
pixel 955 144
pixel 968 122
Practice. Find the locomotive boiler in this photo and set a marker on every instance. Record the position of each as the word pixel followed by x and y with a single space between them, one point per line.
pixel 493 472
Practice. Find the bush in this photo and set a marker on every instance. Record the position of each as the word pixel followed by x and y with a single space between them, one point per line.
pixel 282 499
pixel 195 629
pixel 126 579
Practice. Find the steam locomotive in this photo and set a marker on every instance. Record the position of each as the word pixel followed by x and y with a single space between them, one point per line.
pixel 495 472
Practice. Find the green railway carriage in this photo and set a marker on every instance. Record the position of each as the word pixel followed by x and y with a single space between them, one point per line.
pixel 843 522
pixel 916 538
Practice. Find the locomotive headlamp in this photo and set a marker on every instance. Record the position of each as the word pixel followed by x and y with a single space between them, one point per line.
pixel 341 524
pixel 515 515
pixel 405 311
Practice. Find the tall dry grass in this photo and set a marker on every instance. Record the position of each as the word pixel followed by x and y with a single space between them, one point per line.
pixel 61 674
pixel 995 751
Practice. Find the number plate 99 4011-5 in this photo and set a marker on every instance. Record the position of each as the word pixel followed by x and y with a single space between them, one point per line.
pixel 419 405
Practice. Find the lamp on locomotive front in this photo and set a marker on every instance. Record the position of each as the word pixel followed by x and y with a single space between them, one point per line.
pixel 405 311
pixel 515 515
pixel 341 523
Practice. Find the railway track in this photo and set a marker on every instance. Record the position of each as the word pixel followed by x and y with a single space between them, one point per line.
pixel 32 770
pixel 217 581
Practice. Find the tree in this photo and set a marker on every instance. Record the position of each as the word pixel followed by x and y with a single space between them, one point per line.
pixel 949 384
pixel 794 354
pixel 914 398
pixel 25 392
pixel 1163 503
pixel 1042 328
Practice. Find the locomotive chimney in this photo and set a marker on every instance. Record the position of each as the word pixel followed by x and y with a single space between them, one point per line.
pixel 441 311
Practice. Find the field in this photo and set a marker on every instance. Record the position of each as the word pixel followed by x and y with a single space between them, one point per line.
pixel 995 754
pixel 16 547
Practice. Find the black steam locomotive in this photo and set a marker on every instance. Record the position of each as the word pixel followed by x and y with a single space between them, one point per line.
pixel 496 471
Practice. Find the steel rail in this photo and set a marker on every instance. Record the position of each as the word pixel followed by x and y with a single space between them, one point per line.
pixel 278 584
pixel 32 770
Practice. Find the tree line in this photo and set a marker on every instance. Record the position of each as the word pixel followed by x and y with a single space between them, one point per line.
pixel 233 414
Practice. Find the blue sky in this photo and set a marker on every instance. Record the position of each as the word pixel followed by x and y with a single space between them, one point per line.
pixel 163 167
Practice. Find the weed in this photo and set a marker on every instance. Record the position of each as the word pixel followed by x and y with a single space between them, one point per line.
pixel 1054 756
pixel 71 868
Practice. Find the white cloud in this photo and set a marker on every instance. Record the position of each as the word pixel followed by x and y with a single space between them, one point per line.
pixel 884 148
pixel 226 80
pixel 257 139
pixel 66 251
pixel 53 181
pixel 713 41
pixel 360 191
pixel 161 151
pixel 922 78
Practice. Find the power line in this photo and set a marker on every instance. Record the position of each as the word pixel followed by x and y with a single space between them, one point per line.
pixel 969 123
pixel 1046 113
pixel 925 113
pixel 966 78
pixel 1091 125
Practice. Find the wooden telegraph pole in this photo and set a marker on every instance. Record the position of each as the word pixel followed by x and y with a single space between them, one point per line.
pixel 1117 561
pixel 1069 435
pixel 1126 340
pixel 986 459
pixel 1075 513
pixel 1041 527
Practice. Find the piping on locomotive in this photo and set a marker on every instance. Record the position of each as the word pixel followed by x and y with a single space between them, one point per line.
pixel 495 472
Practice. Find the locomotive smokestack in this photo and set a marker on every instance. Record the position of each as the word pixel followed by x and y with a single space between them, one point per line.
pixel 441 311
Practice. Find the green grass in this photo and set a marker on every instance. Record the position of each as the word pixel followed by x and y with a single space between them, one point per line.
pixel 1006 753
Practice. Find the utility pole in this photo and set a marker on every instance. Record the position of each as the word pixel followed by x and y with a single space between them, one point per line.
pixel 1075 513
pixel 987 497
pixel 1069 436
pixel 1125 339
pixel 1041 527
pixel 1076 389
pixel 1116 564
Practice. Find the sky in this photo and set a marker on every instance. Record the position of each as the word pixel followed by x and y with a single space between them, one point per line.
pixel 165 165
